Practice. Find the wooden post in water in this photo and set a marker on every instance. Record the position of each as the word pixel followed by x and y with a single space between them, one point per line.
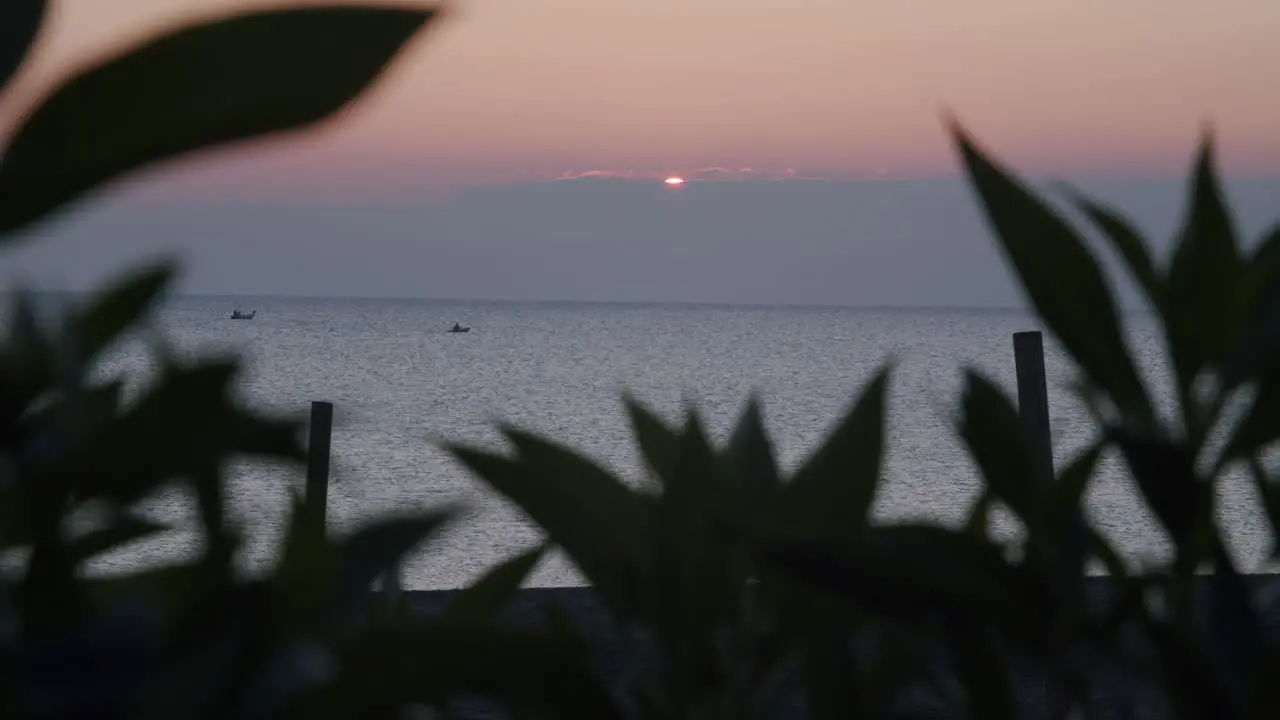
pixel 318 437
pixel 319 442
pixel 1033 400
pixel 1033 410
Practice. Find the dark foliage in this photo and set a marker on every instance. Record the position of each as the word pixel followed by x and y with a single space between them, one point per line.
pixel 743 591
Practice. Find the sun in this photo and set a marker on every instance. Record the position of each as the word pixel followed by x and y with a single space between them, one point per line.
pixel 674 180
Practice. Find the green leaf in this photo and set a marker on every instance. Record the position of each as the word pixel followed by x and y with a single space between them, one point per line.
pixel 1127 243
pixel 375 548
pixel 20 22
pixel 1199 299
pixel 1060 276
pixel 751 461
pixel 995 436
pixel 486 596
pixel 197 87
pixel 601 524
pixel 659 444
pixel 118 308
pixel 909 571
pixel 122 531
pixel 831 496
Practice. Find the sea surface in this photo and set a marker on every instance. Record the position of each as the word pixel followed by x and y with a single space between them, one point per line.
pixel 401 385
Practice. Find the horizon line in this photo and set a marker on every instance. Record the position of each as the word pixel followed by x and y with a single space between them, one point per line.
pixel 1007 309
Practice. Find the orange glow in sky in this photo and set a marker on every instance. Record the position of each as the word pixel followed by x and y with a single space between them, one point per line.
pixel 512 89
pixel 673 180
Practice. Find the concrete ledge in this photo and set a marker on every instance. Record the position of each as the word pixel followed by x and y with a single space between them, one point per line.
pixel 617 654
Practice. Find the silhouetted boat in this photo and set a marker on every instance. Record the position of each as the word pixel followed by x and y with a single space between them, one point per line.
pixel 459 329
pixel 237 315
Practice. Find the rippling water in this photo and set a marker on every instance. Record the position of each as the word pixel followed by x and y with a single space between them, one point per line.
pixel 400 382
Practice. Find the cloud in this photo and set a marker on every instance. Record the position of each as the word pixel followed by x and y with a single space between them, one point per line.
pixel 714 173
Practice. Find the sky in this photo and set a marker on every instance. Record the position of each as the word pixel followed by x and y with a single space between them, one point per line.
pixel 810 131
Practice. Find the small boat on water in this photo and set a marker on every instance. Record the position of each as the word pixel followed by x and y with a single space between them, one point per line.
pixel 458 328
pixel 237 315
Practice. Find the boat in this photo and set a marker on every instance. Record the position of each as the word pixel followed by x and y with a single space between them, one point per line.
pixel 237 315
pixel 459 329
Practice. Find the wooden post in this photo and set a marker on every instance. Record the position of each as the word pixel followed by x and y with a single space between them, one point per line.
pixel 1033 400
pixel 1033 409
pixel 319 443
pixel 320 432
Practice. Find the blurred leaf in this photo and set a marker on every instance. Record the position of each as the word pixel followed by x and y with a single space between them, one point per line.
pixel 1260 425
pixel 1165 474
pixel 191 685
pixel 256 435
pixel 659 444
pixel 119 307
pixel 121 531
pixel 389 668
pixel 983 671
pixel 1101 549
pixel 306 571
pixel 598 521
pixel 750 459
pixel 1194 688
pixel 200 86
pixel 837 683
pixel 1062 512
pixel 375 548
pixel 912 571
pixel 698 569
pixel 832 494
pixel 1258 296
pixel 145 448
pixel 1126 241
pixel 176 586
pixel 15 525
pixel 486 596
pixel 1270 496
pixel 27 355
pixel 20 22
pixel 1060 276
pixel 995 437
pixel 1264 700
pixel 66 426
pixel 980 515
pixel 1199 300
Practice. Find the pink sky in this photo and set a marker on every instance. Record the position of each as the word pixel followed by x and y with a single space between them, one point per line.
pixel 514 89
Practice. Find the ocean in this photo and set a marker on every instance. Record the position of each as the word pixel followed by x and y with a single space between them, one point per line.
pixel 401 384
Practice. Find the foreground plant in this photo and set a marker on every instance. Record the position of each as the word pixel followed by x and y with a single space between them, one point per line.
pixel 708 632
pixel 194 639
pixel 683 563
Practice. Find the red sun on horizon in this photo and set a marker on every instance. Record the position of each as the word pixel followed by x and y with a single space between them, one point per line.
pixel 674 180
